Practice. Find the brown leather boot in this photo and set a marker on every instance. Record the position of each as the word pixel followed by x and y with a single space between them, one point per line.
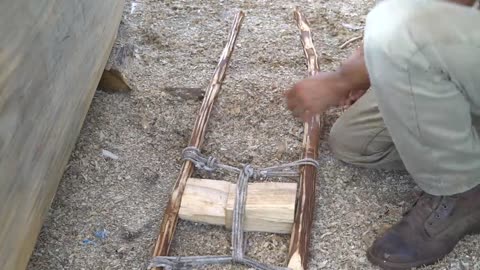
pixel 428 231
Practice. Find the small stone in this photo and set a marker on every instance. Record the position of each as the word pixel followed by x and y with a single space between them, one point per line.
pixel 323 264
pixel 281 149
pixel 144 123
pixel 236 110
pixel 108 154
pixel 101 135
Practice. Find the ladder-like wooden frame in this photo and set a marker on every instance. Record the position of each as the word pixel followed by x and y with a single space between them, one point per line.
pixel 304 212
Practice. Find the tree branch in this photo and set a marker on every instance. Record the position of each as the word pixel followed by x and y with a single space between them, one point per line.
pixel 300 238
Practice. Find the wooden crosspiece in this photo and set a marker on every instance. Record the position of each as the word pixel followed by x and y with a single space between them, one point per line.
pixel 269 206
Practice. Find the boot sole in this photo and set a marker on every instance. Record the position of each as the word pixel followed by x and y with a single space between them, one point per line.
pixel 405 266
pixel 399 266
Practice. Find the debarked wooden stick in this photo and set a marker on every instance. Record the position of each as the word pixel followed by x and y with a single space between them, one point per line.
pixel 299 241
pixel 170 217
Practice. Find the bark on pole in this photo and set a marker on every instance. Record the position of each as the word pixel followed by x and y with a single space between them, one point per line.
pixel 299 241
pixel 170 217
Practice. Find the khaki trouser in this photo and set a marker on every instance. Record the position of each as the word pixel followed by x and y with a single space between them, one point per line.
pixel 423 58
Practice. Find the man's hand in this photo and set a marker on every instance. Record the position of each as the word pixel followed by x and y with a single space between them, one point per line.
pixel 316 94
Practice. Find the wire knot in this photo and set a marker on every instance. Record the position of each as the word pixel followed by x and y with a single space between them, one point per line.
pixel 249 171
pixel 211 164
pixel 208 164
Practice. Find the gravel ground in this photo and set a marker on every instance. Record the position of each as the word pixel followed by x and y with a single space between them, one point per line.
pixel 107 211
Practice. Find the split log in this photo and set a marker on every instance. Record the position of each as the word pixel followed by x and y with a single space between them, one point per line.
pixel 270 206
pixel 170 217
pixel 114 77
pixel 52 56
pixel 299 241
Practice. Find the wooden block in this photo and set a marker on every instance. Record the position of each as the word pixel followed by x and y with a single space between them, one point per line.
pixel 270 206
pixel 204 201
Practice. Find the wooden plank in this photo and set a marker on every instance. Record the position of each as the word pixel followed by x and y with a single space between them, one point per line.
pixel 170 217
pixel 51 58
pixel 300 238
pixel 270 206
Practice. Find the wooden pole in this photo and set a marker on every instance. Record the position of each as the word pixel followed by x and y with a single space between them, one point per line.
pixel 170 217
pixel 299 241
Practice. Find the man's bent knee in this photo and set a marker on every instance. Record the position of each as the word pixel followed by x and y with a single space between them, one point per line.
pixel 341 144
pixel 348 145
pixel 365 146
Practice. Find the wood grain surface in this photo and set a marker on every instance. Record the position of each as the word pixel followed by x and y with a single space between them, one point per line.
pixel 52 54
pixel 269 207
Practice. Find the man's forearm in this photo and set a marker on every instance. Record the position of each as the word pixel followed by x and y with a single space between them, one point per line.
pixel 353 71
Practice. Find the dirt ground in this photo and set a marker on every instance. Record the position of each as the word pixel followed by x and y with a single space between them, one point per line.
pixel 107 211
